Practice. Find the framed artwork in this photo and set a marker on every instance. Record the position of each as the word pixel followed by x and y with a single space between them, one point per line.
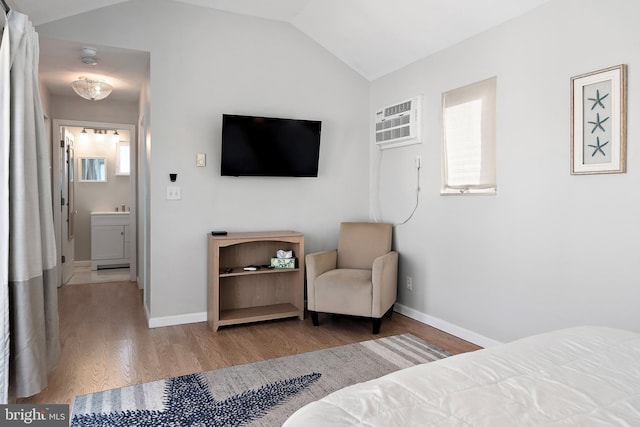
pixel 598 122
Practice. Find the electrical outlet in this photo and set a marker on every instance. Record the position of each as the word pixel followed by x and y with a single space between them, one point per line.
pixel 174 192
pixel 410 283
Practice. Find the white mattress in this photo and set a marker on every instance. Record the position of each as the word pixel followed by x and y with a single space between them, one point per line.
pixel 585 376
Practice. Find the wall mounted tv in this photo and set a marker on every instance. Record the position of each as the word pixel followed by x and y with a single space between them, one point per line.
pixel 267 146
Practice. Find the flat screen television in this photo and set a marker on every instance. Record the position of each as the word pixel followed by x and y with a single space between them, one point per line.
pixel 267 146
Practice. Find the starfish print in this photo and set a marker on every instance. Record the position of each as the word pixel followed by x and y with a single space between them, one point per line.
pixel 189 402
pixel 598 123
pixel 598 147
pixel 597 100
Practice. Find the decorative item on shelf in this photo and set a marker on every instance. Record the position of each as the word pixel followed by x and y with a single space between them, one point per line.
pixel 284 259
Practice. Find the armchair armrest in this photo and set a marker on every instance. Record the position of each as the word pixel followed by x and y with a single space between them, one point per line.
pixel 316 264
pixel 384 277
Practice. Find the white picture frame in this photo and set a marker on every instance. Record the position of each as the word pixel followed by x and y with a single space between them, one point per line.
pixel 598 122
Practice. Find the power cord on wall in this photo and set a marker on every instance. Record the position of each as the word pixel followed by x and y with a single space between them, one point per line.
pixel 376 190
pixel 376 208
pixel 418 167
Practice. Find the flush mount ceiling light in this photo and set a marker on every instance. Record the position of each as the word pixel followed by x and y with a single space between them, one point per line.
pixel 93 90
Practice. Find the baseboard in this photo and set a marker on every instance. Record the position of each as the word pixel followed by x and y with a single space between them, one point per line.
pixel 447 327
pixel 182 319
pixel 147 315
pixel 465 334
pixel 81 264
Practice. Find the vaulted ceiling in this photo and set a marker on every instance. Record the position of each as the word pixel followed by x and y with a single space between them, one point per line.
pixel 374 37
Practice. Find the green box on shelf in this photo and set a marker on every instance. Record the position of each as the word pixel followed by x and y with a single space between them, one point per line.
pixel 283 262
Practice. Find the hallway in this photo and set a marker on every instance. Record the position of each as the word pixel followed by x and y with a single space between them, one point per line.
pixel 84 275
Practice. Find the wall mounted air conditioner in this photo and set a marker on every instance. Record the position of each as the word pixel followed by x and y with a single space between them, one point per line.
pixel 399 124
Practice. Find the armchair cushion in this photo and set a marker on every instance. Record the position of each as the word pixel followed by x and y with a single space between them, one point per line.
pixel 344 291
pixel 360 243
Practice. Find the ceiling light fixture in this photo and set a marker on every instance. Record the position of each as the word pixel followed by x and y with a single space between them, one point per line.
pixel 93 90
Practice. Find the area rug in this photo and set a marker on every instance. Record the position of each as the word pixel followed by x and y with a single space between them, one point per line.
pixel 264 393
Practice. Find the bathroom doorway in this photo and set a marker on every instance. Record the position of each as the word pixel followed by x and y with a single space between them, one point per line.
pixel 95 172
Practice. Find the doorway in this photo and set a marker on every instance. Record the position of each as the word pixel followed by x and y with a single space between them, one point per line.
pixel 76 195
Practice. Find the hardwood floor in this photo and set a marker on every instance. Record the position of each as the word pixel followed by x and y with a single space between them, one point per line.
pixel 106 343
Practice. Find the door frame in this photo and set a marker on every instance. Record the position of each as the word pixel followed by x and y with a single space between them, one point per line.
pixel 56 182
pixel 66 169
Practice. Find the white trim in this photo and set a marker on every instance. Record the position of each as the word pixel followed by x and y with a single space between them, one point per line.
pixel 445 326
pixel 82 264
pixel 147 315
pixel 465 334
pixel 181 319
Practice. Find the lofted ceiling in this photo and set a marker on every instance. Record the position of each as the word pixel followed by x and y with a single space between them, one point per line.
pixel 374 37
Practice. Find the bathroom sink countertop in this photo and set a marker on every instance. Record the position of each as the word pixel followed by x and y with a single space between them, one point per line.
pixel 110 213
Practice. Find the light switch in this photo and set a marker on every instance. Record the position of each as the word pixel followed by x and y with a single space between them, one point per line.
pixel 174 192
pixel 201 160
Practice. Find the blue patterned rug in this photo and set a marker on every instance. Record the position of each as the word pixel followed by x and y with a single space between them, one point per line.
pixel 261 394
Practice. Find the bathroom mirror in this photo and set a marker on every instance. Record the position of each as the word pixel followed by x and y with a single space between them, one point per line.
pixel 93 169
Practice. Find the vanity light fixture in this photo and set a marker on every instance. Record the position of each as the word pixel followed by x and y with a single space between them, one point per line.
pixel 84 135
pixel 99 133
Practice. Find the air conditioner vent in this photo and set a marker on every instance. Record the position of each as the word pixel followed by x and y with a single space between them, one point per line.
pixel 398 124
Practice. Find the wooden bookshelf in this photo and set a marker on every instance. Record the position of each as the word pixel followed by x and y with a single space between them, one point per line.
pixel 236 296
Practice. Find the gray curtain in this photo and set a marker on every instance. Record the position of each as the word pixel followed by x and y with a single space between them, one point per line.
pixel 32 279
pixel 4 211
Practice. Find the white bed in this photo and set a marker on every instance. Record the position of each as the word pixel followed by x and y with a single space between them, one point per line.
pixel 585 376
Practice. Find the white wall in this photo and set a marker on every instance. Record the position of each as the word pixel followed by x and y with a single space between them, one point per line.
pixel 104 111
pixel 143 225
pixel 205 63
pixel 551 250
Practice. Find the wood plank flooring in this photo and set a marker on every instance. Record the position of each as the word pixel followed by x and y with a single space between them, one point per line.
pixel 106 343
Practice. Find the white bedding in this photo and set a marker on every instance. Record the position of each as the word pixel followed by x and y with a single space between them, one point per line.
pixel 585 376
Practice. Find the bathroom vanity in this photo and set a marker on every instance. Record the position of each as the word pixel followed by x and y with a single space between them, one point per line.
pixel 109 239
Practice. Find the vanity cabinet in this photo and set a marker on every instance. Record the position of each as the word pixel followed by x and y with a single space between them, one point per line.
pixel 109 239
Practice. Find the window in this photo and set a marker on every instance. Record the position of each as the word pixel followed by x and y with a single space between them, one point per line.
pixel 122 158
pixel 469 139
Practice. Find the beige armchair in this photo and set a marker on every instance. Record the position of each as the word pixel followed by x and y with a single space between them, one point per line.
pixel 360 278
